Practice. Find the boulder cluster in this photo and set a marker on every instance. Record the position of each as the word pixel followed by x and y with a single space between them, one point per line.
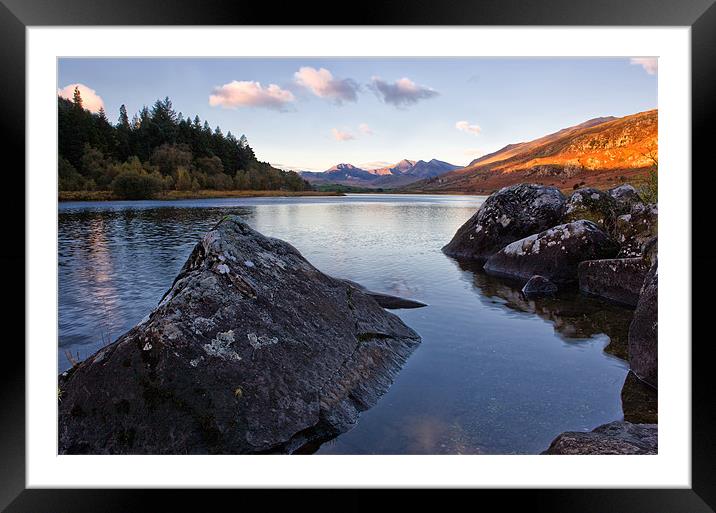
pixel 603 242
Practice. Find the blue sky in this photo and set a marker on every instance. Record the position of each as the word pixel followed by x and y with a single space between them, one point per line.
pixel 311 113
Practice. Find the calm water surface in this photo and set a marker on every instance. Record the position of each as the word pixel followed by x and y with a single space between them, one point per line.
pixel 494 373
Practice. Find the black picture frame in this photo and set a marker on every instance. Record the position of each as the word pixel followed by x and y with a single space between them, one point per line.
pixel 16 15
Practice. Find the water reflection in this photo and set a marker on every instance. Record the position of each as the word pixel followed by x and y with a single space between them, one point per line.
pixel 495 374
pixel 115 264
pixel 576 318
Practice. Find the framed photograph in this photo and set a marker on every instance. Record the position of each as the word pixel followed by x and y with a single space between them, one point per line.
pixel 417 251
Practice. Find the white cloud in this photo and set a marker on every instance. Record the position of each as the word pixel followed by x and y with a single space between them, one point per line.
pixel 474 152
pixel 90 99
pixel 250 94
pixel 465 126
pixel 365 129
pixel 341 135
pixel 322 84
pixel 376 164
pixel 650 64
pixel 297 168
pixel 402 92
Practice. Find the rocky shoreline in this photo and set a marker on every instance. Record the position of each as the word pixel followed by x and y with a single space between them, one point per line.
pixel 602 242
pixel 253 350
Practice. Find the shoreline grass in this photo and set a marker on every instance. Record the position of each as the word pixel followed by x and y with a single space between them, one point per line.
pixel 180 195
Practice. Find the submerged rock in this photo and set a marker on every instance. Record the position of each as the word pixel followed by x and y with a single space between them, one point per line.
pixel 625 197
pixel 592 205
pixel 639 401
pixel 619 279
pixel 251 350
pixel 539 286
pixel 635 228
pixel 613 438
pixel 574 316
pixel 387 301
pixel 394 302
pixel 506 216
pixel 644 329
pixel 554 253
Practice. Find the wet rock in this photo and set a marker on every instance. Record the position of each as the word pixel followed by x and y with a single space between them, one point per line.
pixel 650 250
pixel 643 330
pixel 593 205
pixel 613 438
pixel 618 280
pixel 388 301
pixel 251 350
pixel 394 302
pixel 625 197
pixel 539 286
pixel 634 229
pixel 554 253
pixel 639 401
pixel 506 216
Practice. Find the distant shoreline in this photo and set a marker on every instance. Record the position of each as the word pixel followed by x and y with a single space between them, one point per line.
pixel 64 196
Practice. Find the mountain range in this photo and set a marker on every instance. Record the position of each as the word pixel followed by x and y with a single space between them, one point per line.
pixel 601 152
pixel 400 174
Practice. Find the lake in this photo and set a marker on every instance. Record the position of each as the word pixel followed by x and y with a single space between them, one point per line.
pixel 495 374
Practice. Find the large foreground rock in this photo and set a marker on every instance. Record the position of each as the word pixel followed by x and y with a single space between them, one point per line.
pixel 553 254
pixel 593 205
pixel 618 280
pixel 644 329
pixel 251 350
pixel 506 216
pixel 612 438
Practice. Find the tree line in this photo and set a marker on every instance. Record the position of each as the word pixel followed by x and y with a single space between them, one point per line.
pixel 158 150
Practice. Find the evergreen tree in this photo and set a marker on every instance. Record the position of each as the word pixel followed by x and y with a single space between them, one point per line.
pixel 123 135
pixel 77 98
pixel 158 149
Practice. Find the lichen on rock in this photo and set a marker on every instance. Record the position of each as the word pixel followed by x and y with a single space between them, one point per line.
pixel 625 197
pixel 635 228
pixel 277 329
pixel 617 437
pixel 507 215
pixel 592 205
pixel 554 253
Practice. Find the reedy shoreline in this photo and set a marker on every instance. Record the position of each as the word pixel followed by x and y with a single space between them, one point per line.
pixel 180 195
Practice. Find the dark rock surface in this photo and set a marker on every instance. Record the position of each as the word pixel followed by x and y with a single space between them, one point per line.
pixel 506 216
pixel 635 228
pixel 394 302
pixel 619 279
pixel 554 253
pixel 538 286
pixel 613 438
pixel 251 350
pixel 650 250
pixel 593 205
pixel 639 401
pixel 387 301
pixel 643 331
pixel 625 197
